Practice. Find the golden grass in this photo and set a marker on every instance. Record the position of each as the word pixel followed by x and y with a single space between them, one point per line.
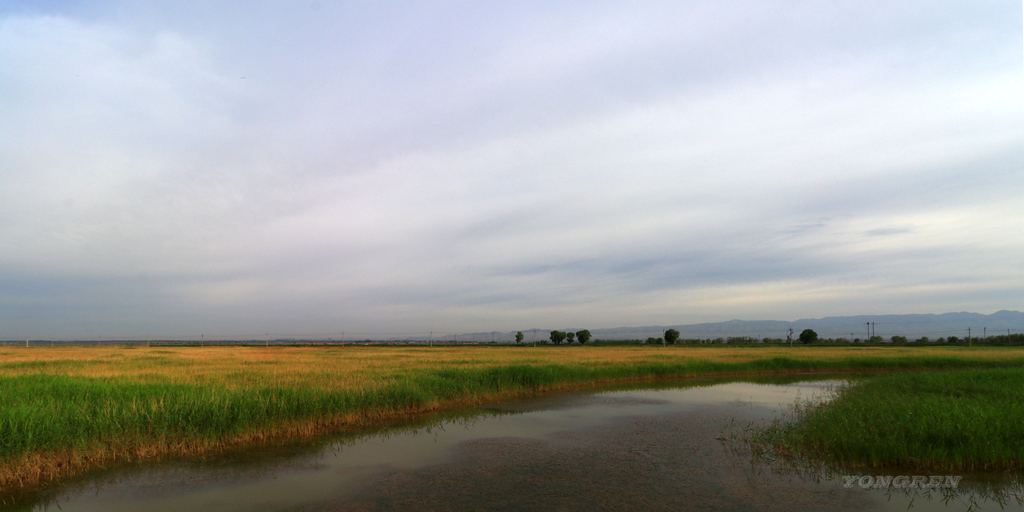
pixel 357 366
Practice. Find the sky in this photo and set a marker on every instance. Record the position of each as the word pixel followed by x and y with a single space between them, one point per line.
pixel 230 169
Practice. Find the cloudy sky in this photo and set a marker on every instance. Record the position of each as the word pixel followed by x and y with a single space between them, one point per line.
pixel 394 168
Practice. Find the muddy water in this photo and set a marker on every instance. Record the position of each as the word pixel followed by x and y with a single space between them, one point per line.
pixel 653 448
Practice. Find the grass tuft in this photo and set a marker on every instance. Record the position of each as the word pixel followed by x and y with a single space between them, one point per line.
pixel 970 420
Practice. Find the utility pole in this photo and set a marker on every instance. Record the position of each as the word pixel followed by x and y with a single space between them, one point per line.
pixel 872 329
pixel 868 324
pixel 984 335
pixel 789 337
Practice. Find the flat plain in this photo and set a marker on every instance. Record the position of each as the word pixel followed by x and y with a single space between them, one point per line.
pixel 64 410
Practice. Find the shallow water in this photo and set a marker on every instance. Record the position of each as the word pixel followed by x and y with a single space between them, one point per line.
pixel 648 448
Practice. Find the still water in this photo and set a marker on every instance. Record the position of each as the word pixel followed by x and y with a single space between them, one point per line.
pixel 645 448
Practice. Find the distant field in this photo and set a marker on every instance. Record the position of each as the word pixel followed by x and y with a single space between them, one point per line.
pixel 343 367
pixel 65 409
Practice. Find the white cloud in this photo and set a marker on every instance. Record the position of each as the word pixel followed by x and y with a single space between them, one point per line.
pixel 661 163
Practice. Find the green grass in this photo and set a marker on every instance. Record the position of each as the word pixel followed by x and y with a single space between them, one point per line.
pixel 949 420
pixel 55 424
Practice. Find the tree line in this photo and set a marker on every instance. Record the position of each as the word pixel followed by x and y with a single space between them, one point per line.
pixel 557 337
pixel 807 336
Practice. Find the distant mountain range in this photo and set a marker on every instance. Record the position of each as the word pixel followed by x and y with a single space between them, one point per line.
pixel 911 326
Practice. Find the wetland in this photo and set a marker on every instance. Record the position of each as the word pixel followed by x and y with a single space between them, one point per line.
pixel 651 446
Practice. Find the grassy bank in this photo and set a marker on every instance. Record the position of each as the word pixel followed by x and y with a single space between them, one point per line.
pixel 66 409
pixel 950 420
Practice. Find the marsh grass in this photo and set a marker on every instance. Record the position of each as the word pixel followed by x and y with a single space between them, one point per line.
pixel 66 409
pixel 967 420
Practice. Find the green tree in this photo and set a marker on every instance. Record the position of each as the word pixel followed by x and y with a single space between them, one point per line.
pixel 671 336
pixel 583 336
pixel 519 336
pixel 808 336
pixel 569 335
pixel 899 339
pixel 557 337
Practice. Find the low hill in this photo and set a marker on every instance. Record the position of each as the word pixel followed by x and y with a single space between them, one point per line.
pixel 911 326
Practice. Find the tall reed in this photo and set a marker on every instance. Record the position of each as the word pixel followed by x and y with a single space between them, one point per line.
pixel 951 420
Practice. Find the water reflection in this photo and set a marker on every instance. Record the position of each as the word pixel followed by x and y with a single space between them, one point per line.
pixel 910 489
pixel 651 447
